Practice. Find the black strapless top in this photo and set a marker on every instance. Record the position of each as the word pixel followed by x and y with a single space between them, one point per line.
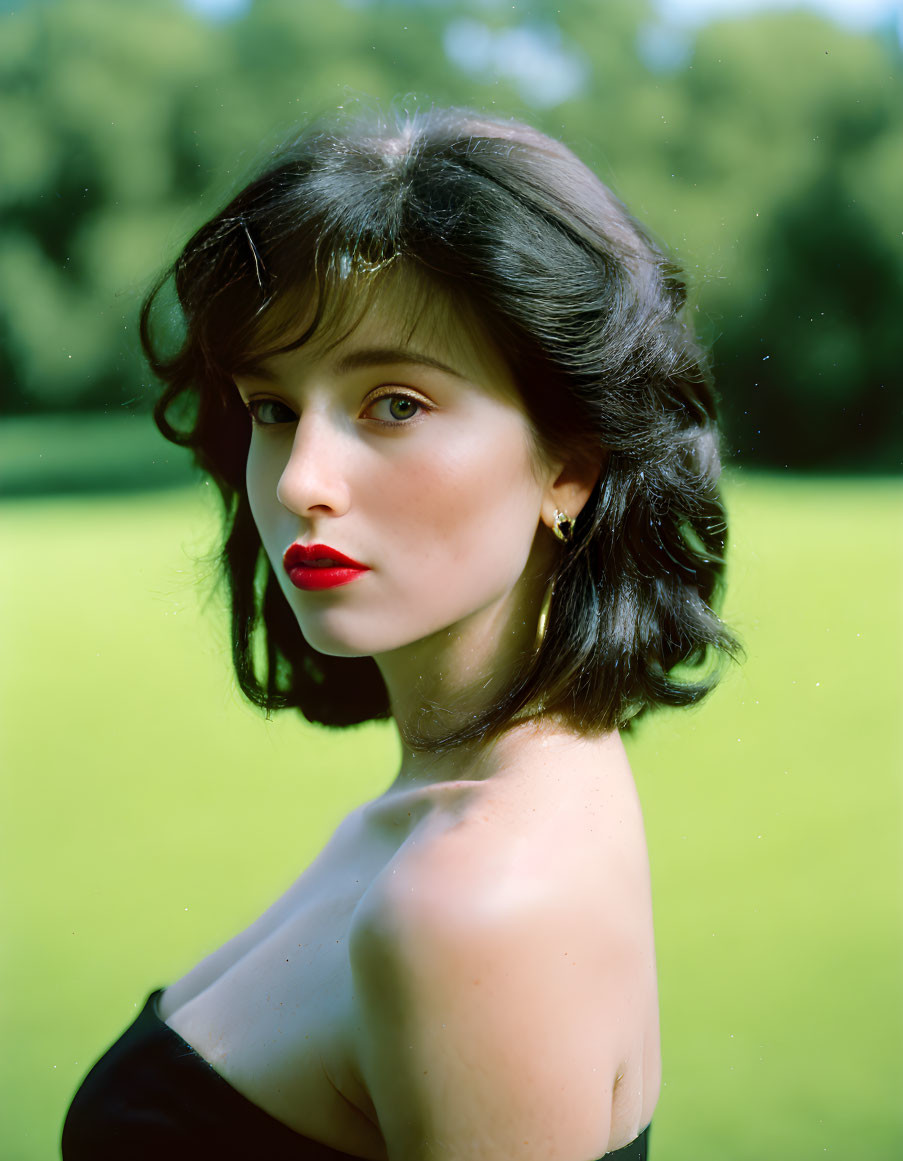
pixel 151 1097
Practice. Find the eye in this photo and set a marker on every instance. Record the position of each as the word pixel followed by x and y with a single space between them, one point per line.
pixel 396 408
pixel 269 412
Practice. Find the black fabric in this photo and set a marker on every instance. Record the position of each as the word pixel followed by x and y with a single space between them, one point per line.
pixel 151 1097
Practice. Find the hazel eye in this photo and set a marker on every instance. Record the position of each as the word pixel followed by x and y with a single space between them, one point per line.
pixel 269 412
pixel 397 408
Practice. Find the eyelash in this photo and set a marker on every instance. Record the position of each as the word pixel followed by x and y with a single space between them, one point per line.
pixel 253 404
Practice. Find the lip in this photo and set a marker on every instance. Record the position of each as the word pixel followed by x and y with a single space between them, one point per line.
pixel 299 559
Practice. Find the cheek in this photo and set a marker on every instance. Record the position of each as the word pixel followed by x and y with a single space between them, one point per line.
pixel 474 503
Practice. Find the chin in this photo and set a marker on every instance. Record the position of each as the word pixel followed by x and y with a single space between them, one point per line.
pixel 331 644
pixel 346 644
pixel 336 649
pixel 349 643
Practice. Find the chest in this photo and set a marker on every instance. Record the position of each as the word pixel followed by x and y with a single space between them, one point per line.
pixel 272 1010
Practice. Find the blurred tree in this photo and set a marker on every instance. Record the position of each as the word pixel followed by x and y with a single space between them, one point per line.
pixel 767 154
pixel 95 178
pixel 797 155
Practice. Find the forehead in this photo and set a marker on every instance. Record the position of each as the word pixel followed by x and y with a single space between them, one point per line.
pixel 397 309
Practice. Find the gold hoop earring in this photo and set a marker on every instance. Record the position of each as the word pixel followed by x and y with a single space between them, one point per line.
pixel 544 616
pixel 563 526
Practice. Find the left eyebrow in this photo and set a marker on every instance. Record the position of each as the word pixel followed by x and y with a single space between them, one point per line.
pixel 381 356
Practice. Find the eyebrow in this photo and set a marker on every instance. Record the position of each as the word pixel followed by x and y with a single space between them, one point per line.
pixel 370 357
pixel 379 356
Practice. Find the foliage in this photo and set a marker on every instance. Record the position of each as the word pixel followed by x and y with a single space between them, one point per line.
pixel 769 158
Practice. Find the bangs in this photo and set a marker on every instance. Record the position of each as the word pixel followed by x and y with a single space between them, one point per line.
pixel 246 299
pixel 326 308
pixel 302 249
pixel 269 297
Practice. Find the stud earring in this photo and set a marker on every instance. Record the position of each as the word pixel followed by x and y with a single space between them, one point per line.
pixel 563 526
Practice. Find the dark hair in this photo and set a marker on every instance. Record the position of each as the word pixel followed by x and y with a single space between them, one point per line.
pixel 585 308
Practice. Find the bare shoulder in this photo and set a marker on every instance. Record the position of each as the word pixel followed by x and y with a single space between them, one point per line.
pixel 505 983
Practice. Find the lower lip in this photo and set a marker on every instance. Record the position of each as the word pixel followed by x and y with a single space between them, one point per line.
pixel 312 579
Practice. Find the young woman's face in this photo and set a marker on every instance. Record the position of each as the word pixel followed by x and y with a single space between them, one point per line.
pixel 406 449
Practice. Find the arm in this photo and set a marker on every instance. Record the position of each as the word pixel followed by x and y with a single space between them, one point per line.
pixel 491 1025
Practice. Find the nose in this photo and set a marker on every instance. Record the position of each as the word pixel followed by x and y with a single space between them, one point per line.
pixel 314 478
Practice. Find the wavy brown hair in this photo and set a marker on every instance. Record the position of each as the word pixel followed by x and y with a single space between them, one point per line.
pixel 586 309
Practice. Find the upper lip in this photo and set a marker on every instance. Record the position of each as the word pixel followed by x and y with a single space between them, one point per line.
pixel 297 554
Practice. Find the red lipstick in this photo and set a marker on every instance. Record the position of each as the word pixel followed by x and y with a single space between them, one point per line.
pixel 317 566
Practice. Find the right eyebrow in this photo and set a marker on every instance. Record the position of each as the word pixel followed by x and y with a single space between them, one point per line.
pixel 254 371
pixel 356 360
pixel 384 356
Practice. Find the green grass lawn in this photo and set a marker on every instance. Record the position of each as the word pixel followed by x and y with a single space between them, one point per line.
pixel 147 814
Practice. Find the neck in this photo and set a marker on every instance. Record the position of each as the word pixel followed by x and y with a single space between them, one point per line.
pixel 438 683
pixel 542 752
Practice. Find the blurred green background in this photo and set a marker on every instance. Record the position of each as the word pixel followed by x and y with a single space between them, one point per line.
pixel 146 813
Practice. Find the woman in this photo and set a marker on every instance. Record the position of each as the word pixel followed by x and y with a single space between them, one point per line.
pixel 468 457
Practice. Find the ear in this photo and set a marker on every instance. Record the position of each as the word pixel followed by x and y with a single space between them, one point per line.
pixel 570 487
